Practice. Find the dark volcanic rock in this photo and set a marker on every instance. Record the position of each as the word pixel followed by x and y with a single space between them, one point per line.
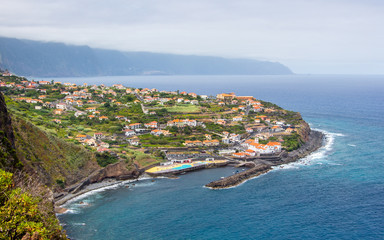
pixel 239 177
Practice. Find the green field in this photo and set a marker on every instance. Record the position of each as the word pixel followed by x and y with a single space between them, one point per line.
pixel 184 108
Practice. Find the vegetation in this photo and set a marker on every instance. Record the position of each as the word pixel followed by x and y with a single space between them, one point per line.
pixel 23 214
pixel 183 108
pixel 105 158
pixel 292 142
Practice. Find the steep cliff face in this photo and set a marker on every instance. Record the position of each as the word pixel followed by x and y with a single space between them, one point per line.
pixel 8 158
pixel 304 131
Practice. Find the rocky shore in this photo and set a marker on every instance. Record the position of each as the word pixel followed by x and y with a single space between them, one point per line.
pixel 315 141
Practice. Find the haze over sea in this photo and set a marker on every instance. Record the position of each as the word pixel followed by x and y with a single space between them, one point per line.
pixel 335 193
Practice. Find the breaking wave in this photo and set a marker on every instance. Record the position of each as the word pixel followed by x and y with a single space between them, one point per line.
pixel 318 157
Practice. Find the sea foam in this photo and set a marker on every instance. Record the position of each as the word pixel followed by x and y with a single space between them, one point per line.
pixel 318 157
pixel 74 207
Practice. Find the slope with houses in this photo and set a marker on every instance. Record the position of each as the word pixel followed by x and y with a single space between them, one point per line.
pixel 117 119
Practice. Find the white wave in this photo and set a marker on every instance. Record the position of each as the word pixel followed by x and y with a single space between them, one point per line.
pixel 311 159
pixel 70 211
pixel 318 157
pixel 73 207
pixel 352 145
pixel 79 224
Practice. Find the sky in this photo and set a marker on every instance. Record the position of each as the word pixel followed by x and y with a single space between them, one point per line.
pixel 308 36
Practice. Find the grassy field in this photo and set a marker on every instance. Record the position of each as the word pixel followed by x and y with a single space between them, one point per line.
pixel 184 108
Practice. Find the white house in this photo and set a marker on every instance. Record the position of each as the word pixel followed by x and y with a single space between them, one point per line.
pixel 129 132
pixel 237 119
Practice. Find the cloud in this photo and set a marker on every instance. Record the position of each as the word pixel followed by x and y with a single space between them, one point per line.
pixel 305 35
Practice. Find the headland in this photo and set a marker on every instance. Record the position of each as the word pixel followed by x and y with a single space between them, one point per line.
pixel 76 138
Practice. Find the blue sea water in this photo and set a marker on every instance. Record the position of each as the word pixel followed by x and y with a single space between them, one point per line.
pixel 335 193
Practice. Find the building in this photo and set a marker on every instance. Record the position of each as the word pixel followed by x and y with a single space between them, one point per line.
pixel 226 96
pixel 151 124
pixel 129 132
pixel 98 135
pixel 134 126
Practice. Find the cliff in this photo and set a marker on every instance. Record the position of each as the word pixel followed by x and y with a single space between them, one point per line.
pixel 47 59
pixel 26 205
pixel 8 157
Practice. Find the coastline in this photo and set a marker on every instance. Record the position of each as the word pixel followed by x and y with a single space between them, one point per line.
pixel 93 187
pixel 315 141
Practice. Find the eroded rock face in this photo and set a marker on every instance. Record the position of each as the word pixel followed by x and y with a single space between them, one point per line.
pixel 118 170
pixel 304 131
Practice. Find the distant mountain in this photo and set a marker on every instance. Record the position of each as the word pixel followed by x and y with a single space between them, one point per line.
pixel 48 59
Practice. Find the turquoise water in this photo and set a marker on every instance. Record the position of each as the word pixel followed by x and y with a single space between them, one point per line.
pixel 183 167
pixel 335 193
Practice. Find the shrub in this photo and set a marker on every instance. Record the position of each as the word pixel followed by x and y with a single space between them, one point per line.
pixel 21 215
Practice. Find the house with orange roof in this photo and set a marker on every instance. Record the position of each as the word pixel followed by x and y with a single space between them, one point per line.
pixel 211 143
pixel 225 96
pixel 289 130
pixel 129 132
pixel 260 148
pixel 249 130
pixel 81 137
pixel 98 135
pixel 277 128
pixel 151 124
pixel 237 119
pixel 158 132
pixel 103 118
pixel 221 122
pixel 58 111
pixel 240 155
pixel 91 116
pixel 256 108
pixel 274 146
pixel 182 123
pixel 90 109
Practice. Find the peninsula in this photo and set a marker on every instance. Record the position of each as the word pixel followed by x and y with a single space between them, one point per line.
pixel 69 136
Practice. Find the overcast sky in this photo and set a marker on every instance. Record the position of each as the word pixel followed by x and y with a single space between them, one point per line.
pixel 309 36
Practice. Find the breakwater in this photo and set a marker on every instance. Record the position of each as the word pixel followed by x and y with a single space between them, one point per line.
pixel 315 141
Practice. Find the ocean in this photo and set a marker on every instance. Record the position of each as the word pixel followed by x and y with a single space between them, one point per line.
pixel 335 193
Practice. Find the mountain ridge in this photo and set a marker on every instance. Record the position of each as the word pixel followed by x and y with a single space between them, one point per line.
pixel 51 59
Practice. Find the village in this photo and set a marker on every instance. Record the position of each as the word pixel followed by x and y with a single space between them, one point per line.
pixel 165 125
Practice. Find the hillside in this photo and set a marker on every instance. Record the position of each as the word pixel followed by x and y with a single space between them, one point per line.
pixel 26 205
pixel 47 59
pixel 56 162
